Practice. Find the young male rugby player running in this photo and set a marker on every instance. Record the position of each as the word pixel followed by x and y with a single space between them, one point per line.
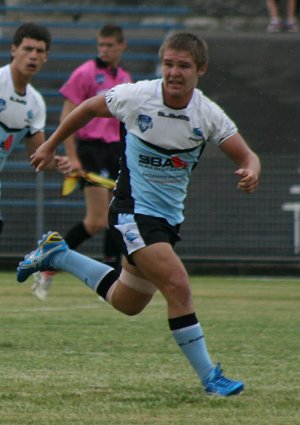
pixel 168 123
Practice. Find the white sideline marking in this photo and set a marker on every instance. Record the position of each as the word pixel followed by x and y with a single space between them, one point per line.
pixel 260 278
pixel 49 309
pixel 24 310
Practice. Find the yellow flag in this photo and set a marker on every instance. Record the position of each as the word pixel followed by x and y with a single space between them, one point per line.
pixel 71 181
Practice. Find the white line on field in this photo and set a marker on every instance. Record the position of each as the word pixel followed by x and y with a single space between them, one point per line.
pixel 24 310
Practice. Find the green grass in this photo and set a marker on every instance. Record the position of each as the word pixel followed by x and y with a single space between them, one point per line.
pixel 74 360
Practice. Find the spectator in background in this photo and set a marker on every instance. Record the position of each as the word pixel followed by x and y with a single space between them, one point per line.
pixel 95 147
pixel 22 108
pixel 276 24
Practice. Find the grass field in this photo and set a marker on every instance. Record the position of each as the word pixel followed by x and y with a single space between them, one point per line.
pixel 74 360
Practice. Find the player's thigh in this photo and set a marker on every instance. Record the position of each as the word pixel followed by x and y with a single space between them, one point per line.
pixel 159 264
pixel 129 300
pixel 97 201
pixel 132 292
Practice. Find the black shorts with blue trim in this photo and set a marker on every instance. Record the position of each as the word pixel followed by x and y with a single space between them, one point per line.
pixel 135 231
pixel 99 157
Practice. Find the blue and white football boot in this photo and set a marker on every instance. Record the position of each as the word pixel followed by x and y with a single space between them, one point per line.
pixel 218 384
pixel 40 258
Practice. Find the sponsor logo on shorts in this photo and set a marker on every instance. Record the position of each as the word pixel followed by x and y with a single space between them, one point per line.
pixel 130 236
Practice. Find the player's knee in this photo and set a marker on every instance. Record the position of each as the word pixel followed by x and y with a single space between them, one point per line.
pixel 176 287
pixel 95 226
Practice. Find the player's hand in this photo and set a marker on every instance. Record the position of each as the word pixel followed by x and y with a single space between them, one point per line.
pixel 63 164
pixel 76 164
pixel 248 180
pixel 42 157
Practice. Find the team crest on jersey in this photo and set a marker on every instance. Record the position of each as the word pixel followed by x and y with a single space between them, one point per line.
pixel 144 122
pixel 198 133
pixel 100 78
pixel 2 105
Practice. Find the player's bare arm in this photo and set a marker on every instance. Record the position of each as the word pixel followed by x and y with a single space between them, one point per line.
pixel 60 162
pixel 79 117
pixel 248 162
pixel 70 143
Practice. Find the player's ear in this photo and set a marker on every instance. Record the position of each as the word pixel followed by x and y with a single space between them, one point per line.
pixel 46 57
pixel 13 51
pixel 124 45
pixel 202 70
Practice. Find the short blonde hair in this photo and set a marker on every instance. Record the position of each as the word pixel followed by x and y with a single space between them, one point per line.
pixel 188 42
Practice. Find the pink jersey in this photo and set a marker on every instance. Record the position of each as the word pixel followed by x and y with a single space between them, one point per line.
pixel 88 80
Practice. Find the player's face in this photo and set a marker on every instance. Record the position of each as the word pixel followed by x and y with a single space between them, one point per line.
pixel 29 57
pixel 180 77
pixel 110 50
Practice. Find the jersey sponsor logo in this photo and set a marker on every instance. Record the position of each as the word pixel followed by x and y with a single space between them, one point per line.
pixel 2 105
pixel 29 117
pixel 199 136
pixel 229 125
pixel 144 122
pixel 100 78
pixel 158 162
pixel 172 115
pixel 18 100
pixel 109 95
pixel 178 162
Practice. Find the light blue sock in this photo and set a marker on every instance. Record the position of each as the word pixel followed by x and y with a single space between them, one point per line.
pixel 192 343
pixel 89 271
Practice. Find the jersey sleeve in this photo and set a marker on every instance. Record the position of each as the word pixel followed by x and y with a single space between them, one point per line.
pixel 122 100
pixel 38 121
pixel 222 127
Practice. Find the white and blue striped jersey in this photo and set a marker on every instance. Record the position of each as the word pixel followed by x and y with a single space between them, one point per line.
pixel 162 147
pixel 20 115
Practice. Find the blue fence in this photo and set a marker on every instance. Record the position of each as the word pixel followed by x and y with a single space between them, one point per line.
pixel 221 224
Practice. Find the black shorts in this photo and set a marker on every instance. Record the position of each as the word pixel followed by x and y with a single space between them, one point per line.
pixel 135 231
pixel 99 157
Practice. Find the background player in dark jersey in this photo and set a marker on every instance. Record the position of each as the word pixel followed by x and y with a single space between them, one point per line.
pixel 168 123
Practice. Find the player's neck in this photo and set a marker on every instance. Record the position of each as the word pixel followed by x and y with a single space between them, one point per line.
pixel 20 81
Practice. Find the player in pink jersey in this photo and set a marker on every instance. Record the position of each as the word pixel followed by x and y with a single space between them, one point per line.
pixel 95 147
